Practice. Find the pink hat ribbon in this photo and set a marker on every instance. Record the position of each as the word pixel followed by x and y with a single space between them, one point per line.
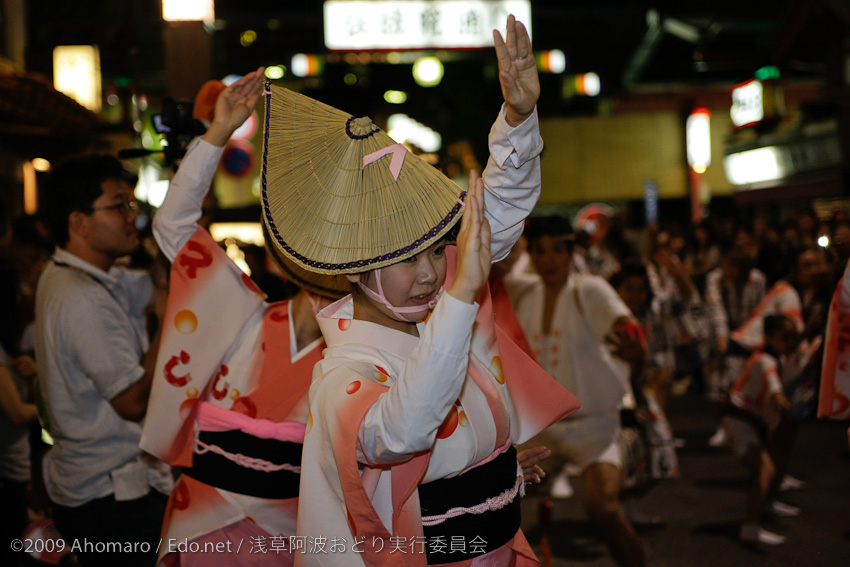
pixel 398 151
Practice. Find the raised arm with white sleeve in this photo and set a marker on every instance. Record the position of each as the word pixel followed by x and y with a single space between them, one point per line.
pixel 177 220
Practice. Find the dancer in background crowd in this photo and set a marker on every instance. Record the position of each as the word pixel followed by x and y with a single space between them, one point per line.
pixel 632 285
pixel 839 247
pixel 569 320
pixel 702 255
pixel 732 292
pixel 754 412
pixel 681 307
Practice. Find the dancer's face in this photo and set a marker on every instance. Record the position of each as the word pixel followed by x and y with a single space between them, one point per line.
pixel 552 258
pixel 410 283
pixel 634 291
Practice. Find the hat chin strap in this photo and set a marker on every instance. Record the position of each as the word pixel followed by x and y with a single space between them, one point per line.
pixel 399 312
pixel 315 302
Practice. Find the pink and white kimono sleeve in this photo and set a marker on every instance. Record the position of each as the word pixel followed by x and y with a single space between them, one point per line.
pixel 224 364
pixel 781 299
pixel 834 396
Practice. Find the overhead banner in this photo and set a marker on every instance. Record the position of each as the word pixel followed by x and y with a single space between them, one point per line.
pixel 418 24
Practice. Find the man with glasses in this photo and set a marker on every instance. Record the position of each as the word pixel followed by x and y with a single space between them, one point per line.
pixel 96 363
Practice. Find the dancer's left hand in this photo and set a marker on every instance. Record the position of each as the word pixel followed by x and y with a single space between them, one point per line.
pixel 517 72
pixel 528 460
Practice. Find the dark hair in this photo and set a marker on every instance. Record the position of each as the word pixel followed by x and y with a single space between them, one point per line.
pixel 631 267
pixel 549 225
pixel 740 260
pixel 798 253
pixel 774 324
pixel 74 184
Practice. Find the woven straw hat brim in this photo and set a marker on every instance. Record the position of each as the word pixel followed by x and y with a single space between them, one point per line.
pixel 329 213
pixel 327 285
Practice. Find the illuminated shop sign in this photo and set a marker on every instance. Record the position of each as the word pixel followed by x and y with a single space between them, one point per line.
pixel 418 24
pixel 747 103
pixel 756 101
pixel 771 163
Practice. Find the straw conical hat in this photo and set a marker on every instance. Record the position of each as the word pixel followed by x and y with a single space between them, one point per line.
pixel 327 285
pixel 327 211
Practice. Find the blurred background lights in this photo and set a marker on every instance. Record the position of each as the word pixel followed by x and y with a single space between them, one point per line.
pixel 767 73
pixel 823 241
pixel 230 79
pixel 698 139
pixel 753 166
pixel 428 71
pixel 300 65
pixel 590 84
pixel 41 164
pixel 303 65
pixel 275 72
pixel 30 187
pixel 404 129
pixel 76 73
pixel 188 10
pixel 350 79
pixel 151 187
pixel 584 84
pixel 248 37
pixel 395 97
pixel 248 128
pixel 553 61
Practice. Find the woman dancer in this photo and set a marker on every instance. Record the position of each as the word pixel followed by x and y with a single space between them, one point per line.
pixel 411 427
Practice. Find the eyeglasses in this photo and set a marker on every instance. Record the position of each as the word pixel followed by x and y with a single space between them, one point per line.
pixel 126 207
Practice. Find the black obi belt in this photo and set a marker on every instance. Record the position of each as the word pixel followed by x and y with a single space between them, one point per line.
pixel 252 467
pixel 471 534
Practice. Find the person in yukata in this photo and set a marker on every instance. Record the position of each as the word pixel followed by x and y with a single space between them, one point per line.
pixel 585 336
pixel 229 396
pixel 409 441
pixel 252 402
pixel 756 404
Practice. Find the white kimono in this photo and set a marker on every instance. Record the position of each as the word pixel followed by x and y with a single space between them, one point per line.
pixel 389 411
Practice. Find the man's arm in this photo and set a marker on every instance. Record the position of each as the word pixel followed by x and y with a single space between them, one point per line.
pixel 132 403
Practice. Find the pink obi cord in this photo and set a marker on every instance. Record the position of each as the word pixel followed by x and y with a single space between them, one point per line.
pixel 496 503
pixel 214 419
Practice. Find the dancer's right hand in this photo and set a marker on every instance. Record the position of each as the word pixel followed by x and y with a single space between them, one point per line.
pixel 233 106
pixel 473 245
